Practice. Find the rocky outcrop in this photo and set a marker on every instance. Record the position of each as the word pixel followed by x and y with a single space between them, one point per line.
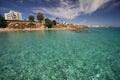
pixel 22 25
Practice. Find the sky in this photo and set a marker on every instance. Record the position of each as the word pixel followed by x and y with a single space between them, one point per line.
pixel 83 12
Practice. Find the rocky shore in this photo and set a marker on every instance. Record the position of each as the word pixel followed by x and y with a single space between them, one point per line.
pixel 38 29
pixel 25 29
pixel 36 26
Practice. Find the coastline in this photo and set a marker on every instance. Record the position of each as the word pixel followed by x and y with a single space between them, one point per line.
pixel 36 29
pixel 37 26
pixel 14 30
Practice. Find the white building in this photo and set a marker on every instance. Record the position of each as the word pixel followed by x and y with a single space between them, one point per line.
pixel 12 15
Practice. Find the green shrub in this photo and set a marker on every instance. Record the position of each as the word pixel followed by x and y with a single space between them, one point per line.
pixel 48 23
pixel 54 22
pixel 31 18
pixel 3 22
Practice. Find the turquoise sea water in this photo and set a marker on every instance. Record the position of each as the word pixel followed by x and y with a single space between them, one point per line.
pixel 60 55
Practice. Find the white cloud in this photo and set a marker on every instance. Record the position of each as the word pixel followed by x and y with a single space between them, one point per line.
pixel 19 1
pixel 69 10
pixel 4 9
pixel 115 4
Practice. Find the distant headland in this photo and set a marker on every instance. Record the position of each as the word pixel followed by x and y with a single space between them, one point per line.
pixel 13 22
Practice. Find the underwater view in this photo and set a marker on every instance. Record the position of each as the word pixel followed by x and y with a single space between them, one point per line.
pixel 60 55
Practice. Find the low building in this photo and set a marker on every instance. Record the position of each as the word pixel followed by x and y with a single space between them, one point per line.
pixel 12 15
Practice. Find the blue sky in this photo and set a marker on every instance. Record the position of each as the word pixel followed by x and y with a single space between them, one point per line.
pixel 103 12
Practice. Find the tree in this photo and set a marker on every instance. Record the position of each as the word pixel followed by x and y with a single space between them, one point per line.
pixel 57 19
pixel 40 17
pixel 48 23
pixel 31 18
pixel 54 22
pixel 3 22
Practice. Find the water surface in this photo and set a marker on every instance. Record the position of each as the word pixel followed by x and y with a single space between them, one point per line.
pixel 60 55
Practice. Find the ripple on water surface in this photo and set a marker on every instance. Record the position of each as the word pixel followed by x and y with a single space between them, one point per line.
pixel 60 55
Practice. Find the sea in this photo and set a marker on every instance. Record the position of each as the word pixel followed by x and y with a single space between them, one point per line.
pixel 93 54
